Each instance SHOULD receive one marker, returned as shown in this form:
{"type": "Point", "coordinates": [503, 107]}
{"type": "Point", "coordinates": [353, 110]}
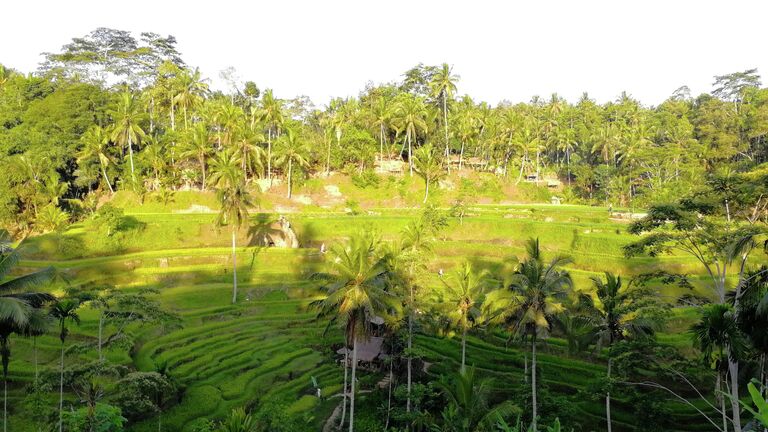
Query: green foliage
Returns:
{"type": "Point", "coordinates": [103, 418]}
{"type": "Point", "coordinates": [141, 394]}
{"type": "Point", "coordinates": [366, 179]}
{"type": "Point", "coordinates": [109, 219]}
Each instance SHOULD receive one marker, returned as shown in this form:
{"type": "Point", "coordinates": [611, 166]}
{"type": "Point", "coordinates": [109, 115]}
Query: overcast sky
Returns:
{"type": "Point", "coordinates": [502, 50]}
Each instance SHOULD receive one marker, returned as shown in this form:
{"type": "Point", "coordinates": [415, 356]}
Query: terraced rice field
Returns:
{"type": "Point", "coordinates": [269, 346]}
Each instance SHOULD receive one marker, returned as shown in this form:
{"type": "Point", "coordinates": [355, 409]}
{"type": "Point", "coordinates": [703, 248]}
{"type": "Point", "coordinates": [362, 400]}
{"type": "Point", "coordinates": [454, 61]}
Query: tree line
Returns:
{"type": "Point", "coordinates": [111, 112]}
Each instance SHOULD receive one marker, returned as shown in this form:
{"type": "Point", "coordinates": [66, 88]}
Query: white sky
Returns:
{"type": "Point", "coordinates": [502, 50]}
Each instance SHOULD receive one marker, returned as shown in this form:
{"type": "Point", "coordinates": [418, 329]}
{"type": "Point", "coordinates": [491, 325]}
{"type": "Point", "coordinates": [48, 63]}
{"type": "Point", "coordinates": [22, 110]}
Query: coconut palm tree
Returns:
{"type": "Point", "coordinates": [417, 239]}
{"type": "Point", "coordinates": [469, 406]}
{"type": "Point", "coordinates": [292, 151]}
{"type": "Point", "coordinates": [410, 115]}
{"type": "Point", "coordinates": [381, 114]}
{"type": "Point", "coordinates": [717, 336]}
{"type": "Point", "coordinates": [271, 114]}
{"type": "Point", "coordinates": [190, 90]}
{"type": "Point", "coordinates": [18, 306]}
{"type": "Point", "coordinates": [246, 148]}
{"type": "Point", "coordinates": [128, 115]}
{"type": "Point", "coordinates": [63, 311]}
{"type": "Point", "coordinates": [529, 304]}
{"type": "Point", "coordinates": [197, 146]}
{"type": "Point", "coordinates": [356, 291]}
{"type": "Point", "coordinates": [461, 302]}
{"type": "Point", "coordinates": [443, 87]}
{"type": "Point", "coordinates": [234, 200]}
{"type": "Point", "coordinates": [428, 166]}
{"type": "Point", "coordinates": [616, 317]}
{"type": "Point", "coordinates": [96, 146]}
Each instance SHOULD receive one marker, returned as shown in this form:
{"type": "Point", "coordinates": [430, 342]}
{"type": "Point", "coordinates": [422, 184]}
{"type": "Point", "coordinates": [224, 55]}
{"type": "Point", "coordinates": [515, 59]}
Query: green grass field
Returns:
{"type": "Point", "coordinates": [268, 346]}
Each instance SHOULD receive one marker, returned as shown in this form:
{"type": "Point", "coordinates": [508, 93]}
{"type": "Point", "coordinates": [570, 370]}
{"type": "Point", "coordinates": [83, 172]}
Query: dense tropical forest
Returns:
{"type": "Point", "coordinates": [178, 258]}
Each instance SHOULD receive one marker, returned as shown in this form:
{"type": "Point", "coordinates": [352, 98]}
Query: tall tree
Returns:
{"type": "Point", "coordinates": [356, 291]}
{"type": "Point", "coordinates": [717, 335]}
{"type": "Point", "coordinates": [428, 167]}
{"type": "Point", "coordinates": [443, 87]}
{"type": "Point", "coordinates": [531, 301]}
{"type": "Point", "coordinates": [234, 200]}
{"type": "Point", "coordinates": [410, 115]}
{"type": "Point", "coordinates": [617, 316]}
{"type": "Point", "coordinates": [64, 311]}
{"type": "Point", "coordinates": [462, 301]}
{"type": "Point", "coordinates": [96, 146]}
{"type": "Point", "coordinates": [293, 151]}
{"type": "Point", "coordinates": [271, 113]}
{"type": "Point", "coordinates": [18, 305]}
{"type": "Point", "coordinates": [127, 130]}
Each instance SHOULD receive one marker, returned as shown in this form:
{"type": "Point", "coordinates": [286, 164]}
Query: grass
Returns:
{"type": "Point", "coordinates": [268, 345]}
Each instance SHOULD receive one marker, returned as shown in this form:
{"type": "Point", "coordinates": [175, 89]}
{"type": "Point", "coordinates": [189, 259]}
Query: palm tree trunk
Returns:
{"type": "Point", "coordinates": [381, 144]}
{"type": "Point", "coordinates": [290, 172]}
{"type": "Point", "coordinates": [352, 386]}
{"type": "Point", "coordinates": [410, 346]}
{"type": "Point", "coordinates": [61, 388]}
{"type": "Point", "coordinates": [533, 383]}
{"type": "Point", "coordinates": [463, 350]}
{"type": "Point", "coordinates": [234, 269]}
{"type": "Point", "coordinates": [445, 121]}
{"type": "Point", "coordinates": [426, 190]}
{"type": "Point", "coordinates": [202, 168]}
{"type": "Point", "coordinates": [608, 398]}
{"type": "Point", "coordinates": [106, 179]}
{"type": "Point", "coordinates": [389, 397]}
{"type": "Point", "coordinates": [101, 332]}
{"type": "Point", "coordinates": [461, 156]}
{"type": "Point", "coordinates": [130, 154]}
{"type": "Point", "coordinates": [721, 400]}
{"type": "Point", "coordinates": [269, 155]}
{"type": "Point", "coordinates": [6, 355]}
{"type": "Point", "coordinates": [344, 390]}
{"type": "Point", "coordinates": [733, 371]}
{"type": "Point", "coordinates": [410, 155]}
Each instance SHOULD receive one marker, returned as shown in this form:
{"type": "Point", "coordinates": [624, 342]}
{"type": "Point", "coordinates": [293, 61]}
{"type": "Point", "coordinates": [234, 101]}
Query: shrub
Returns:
{"type": "Point", "coordinates": [366, 179]}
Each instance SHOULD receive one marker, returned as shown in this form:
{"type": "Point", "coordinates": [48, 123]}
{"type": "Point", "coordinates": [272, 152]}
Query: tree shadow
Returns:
{"type": "Point", "coordinates": [261, 232]}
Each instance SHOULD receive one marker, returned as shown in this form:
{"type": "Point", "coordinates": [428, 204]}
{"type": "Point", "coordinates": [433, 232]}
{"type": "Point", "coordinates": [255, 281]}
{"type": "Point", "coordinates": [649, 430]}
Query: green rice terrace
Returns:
{"type": "Point", "coordinates": [269, 347]}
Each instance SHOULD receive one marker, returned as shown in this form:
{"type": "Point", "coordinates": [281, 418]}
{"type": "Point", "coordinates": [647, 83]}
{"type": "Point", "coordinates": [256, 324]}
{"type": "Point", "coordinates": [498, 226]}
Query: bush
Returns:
{"type": "Point", "coordinates": [366, 179]}
{"type": "Point", "coordinates": [105, 418]}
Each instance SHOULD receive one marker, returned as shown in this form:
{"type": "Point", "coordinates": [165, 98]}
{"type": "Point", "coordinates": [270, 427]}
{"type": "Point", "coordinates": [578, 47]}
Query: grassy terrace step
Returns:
{"type": "Point", "coordinates": [267, 344]}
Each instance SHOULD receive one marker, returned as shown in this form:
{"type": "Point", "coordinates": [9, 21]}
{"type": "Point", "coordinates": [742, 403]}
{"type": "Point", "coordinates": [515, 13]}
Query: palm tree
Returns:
{"type": "Point", "coordinates": [127, 115]}
{"type": "Point", "coordinates": [382, 115]}
{"type": "Point", "coordinates": [247, 149]}
{"type": "Point", "coordinates": [717, 335]}
{"type": "Point", "coordinates": [197, 146]}
{"type": "Point", "coordinates": [462, 302]}
{"type": "Point", "coordinates": [272, 115]}
{"type": "Point", "coordinates": [428, 167]}
{"type": "Point", "coordinates": [469, 402]}
{"type": "Point", "coordinates": [616, 317]}
{"type": "Point", "coordinates": [355, 292]}
{"type": "Point", "coordinates": [17, 308]}
{"type": "Point", "coordinates": [417, 241]}
{"type": "Point", "coordinates": [191, 89]}
{"type": "Point", "coordinates": [529, 304]}
{"type": "Point", "coordinates": [63, 311]}
{"type": "Point", "coordinates": [96, 146]}
{"type": "Point", "coordinates": [234, 200]}
{"type": "Point", "coordinates": [410, 115]}
{"type": "Point", "coordinates": [293, 151]}
{"type": "Point", "coordinates": [443, 86]}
